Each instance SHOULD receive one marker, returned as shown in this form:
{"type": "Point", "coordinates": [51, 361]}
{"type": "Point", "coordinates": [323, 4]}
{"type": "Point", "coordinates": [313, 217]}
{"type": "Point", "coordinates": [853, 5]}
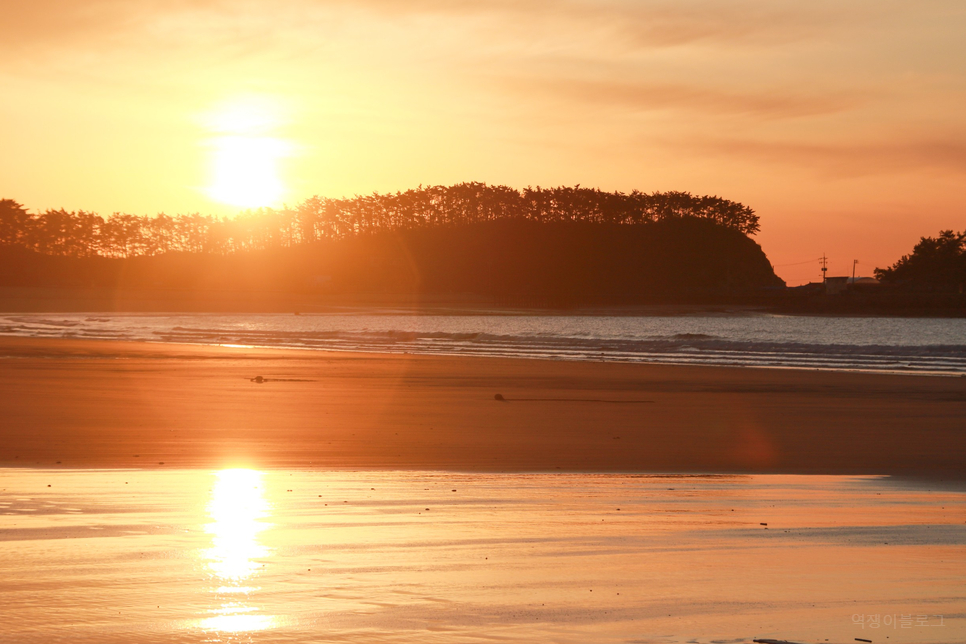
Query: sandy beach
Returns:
{"type": "Point", "coordinates": [164, 555]}
{"type": "Point", "coordinates": [79, 403]}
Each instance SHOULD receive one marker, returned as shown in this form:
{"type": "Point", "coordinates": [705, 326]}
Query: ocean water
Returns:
{"type": "Point", "coordinates": [300, 556]}
{"type": "Point", "coordinates": [925, 345]}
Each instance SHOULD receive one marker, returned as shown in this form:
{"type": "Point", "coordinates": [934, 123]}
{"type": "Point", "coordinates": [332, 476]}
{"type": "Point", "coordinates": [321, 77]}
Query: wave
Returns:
{"type": "Point", "coordinates": [687, 349]}
{"type": "Point", "coordinates": [564, 339]}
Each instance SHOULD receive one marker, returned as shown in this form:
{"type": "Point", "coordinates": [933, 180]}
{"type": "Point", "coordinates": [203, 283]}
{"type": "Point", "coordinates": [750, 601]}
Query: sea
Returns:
{"type": "Point", "coordinates": [900, 345]}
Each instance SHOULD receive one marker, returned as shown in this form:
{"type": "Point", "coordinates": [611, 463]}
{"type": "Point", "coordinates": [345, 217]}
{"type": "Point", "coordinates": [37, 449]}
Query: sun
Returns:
{"type": "Point", "coordinates": [245, 170]}
{"type": "Point", "coordinates": [245, 154]}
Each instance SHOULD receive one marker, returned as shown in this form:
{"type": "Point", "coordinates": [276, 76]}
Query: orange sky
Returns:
{"type": "Point", "coordinates": [840, 123]}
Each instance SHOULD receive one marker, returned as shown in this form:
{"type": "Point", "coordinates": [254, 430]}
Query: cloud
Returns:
{"type": "Point", "coordinates": [97, 23]}
{"type": "Point", "coordinates": [846, 159]}
{"type": "Point", "coordinates": [28, 24]}
{"type": "Point", "coordinates": [758, 61]}
{"type": "Point", "coordinates": [661, 23]}
{"type": "Point", "coordinates": [648, 96]}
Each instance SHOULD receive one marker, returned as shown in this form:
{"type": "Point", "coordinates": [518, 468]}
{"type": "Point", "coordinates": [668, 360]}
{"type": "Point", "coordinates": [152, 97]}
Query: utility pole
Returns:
{"type": "Point", "coordinates": [854, 262]}
{"type": "Point", "coordinates": [824, 267]}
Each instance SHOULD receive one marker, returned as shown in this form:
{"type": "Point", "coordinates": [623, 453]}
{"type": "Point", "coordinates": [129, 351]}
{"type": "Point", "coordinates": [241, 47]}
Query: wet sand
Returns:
{"type": "Point", "coordinates": [79, 403]}
{"type": "Point", "coordinates": [281, 556]}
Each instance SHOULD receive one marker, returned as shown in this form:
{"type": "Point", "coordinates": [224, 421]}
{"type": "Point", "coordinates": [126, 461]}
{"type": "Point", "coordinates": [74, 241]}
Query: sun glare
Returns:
{"type": "Point", "coordinates": [237, 509]}
{"type": "Point", "coordinates": [245, 171]}
{"type": "Point", "coordinates": [245, 153]}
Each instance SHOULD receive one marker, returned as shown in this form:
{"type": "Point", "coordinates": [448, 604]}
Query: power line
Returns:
{"type": "Point", "coordinates": [808, 261]}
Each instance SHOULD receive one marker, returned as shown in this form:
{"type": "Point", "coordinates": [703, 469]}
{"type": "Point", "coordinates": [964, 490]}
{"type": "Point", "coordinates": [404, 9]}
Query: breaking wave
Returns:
{"type": "Point", "coordinates": [866, 344]}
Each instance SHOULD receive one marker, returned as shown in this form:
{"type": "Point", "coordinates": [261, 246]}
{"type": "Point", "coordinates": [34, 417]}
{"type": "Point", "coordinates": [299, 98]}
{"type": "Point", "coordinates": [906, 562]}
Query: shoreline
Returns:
{"type": "Point", "coordinates": [949, 482]}
{"type": "Point", "coordinates": [76, 347]}
{"type": "Point", "coordinates": [484, 356]}
{"type": "Point", "coordinates": [97, 404]}
{"type": "Point", "coordinates": [875, 345]}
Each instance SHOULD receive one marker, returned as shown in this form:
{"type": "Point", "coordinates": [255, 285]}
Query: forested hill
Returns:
{"type": "Point", "coordinates": [87, 234]}
{"type": "Point", "coordinates": [511, 260]}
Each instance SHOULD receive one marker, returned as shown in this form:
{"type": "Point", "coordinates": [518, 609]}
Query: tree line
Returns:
{"type": "Point", "coordinates": [936, 263]}
{"type": "Point", "coordinates": [87, 234]}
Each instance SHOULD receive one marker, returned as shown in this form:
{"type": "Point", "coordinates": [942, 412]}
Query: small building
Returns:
{"type": "Point", "coordinates": [862, 283]}
{"type": "Point", "coordinates": [836, 285]}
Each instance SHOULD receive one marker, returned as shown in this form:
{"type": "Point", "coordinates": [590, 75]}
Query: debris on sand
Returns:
{"type": "Point", "coordinates": [261, 380]}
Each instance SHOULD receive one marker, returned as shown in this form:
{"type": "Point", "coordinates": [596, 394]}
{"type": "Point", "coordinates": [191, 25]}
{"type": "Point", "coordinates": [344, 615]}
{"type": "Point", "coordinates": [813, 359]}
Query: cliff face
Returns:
{"type": "Point", "coordinates": [566, 263]}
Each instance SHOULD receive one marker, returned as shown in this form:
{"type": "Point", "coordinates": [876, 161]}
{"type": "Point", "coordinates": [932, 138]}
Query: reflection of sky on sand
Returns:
{"type": "Point", "coordinates": [237, 509]}
{"type": "Point", "coordinates": [111, 557]}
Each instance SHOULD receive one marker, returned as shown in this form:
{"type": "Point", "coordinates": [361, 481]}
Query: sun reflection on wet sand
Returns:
{"type": "Point", "coordinates": [114, 557]}
{"type": "Point", "coordinates": [237, 509]}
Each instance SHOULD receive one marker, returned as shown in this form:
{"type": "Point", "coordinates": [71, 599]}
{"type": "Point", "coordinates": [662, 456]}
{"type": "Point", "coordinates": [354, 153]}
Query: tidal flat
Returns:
{"type": "Point", "coordinates": [242, 555]}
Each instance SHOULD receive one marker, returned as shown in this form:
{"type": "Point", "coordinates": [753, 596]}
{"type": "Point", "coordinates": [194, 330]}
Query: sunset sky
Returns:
{"type": "Point", "coordinates": [841, 123]}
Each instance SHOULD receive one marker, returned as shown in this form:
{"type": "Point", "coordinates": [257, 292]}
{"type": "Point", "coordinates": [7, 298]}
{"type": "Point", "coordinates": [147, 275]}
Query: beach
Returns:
{"type": "Point", "coordinates": [93, 404]}
{"type": "Point", "coordinates": [411, 557]}
{"type": "Point", "coordinates": [154, 492]}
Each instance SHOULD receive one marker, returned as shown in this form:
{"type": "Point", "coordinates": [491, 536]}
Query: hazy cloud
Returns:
{"type": "Point", "coordinates": [846, 159]}
{"type": "Point", "coordinates": [772, 103]}
{"type": "Point", "coordinates": [66, 23]}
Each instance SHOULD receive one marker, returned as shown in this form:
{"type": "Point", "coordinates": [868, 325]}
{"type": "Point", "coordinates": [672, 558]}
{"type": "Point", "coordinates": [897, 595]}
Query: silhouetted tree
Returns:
{"type": "Point", "coordinates": [936, 263]}
{"type": "Point", "coordinates": [80, 234]}
{"type": "Point", "coordinates": [14, 222]}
